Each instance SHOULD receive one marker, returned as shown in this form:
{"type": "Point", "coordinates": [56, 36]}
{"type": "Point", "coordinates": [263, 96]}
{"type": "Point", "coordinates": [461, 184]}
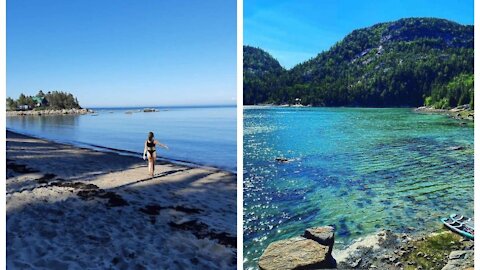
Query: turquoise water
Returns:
{"type": "Point", "coordinates": [203, 135]}
{"type": "Point", "coordinates": [357, 169]}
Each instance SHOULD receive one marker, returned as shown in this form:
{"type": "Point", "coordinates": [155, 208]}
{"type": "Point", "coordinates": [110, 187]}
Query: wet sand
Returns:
{"type": "Point", "coordinates": [75, 208]}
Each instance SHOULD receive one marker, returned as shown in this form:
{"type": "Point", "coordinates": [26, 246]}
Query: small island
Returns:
{"type": "Point", "coordinates": [51, 103]}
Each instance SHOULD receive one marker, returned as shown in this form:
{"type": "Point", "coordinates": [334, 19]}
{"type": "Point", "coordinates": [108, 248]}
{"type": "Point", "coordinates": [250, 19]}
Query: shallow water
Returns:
{"type": "Point", "coordinates": [355, 168]}
{"type": "Point", "coordinates": [204, 135]}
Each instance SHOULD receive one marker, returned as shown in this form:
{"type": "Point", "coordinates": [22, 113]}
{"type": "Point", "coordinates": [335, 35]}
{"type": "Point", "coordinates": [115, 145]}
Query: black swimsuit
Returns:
{"type": "Point", "coordinates": [151, 147]}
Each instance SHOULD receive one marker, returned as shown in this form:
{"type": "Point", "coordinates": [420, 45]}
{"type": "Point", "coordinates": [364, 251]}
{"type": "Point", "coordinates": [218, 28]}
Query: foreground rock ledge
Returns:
{"type": "Point", "coordinates": [311, 251]}
{"type": "Point", "coordinates": [322, 235]}
{"type": "Point", "coordinates": [460, 259]}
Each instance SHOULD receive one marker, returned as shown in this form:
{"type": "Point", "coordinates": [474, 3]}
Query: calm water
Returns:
{"type": "Point", "coordinates": [357, 169]}
{"type": "Point", "coordinates": [205, 135]}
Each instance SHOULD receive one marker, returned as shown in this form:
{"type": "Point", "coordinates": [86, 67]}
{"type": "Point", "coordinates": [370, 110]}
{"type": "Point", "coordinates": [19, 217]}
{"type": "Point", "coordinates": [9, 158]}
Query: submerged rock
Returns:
{"type": "Point", "coordinates": [455, 148]}
{"type": "Point", "coordinates": [282, 159]}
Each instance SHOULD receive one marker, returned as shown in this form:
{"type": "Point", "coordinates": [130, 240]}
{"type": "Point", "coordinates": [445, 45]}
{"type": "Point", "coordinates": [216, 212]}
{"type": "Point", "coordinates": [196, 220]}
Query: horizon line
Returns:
{"type": "Point", "coordinates": [163, 106]}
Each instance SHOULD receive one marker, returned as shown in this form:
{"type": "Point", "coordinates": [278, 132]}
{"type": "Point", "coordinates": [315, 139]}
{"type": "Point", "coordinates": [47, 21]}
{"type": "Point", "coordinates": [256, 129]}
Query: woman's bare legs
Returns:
{"type": "Point", "coordinates": [150, 164]}
{"type": "Point", "coordinates": [154, 158]}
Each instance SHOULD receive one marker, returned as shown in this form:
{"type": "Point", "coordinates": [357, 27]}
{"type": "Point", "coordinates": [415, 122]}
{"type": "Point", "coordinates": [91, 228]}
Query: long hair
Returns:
{"type": "Point", "coordinates": [150, 136]}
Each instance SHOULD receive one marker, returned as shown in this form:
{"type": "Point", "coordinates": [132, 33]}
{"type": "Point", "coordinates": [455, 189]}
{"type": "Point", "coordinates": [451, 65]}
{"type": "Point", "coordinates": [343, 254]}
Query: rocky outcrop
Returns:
{"type": "Point", "coordinates": [460, 260]}
{"type": "Point", "coordinates": [322, 235]}
{"type": "Point", "coordinates": [49, 112]}
{"type": "Point", "coordinates": [382, 250]}
{"type": "Point", "coordinates": [311, 251]}
{"type": "Point", "coordinates": [463, 112]}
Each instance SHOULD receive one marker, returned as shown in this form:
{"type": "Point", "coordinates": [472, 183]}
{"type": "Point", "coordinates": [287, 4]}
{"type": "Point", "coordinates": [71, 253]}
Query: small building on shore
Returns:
{"type": "Point", "coordinates": [23, 107]}
{"type": "Point", "coordinates": [40, 101]}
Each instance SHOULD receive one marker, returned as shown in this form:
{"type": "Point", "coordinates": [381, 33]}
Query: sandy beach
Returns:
{"type": "Point", "coordinates": [74, 208]}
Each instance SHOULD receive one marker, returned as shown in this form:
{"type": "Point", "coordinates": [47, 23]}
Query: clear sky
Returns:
{"type": "Point", "coordinates": [295, 31]}
{"type": "Point", "coordinates": [124, 53]}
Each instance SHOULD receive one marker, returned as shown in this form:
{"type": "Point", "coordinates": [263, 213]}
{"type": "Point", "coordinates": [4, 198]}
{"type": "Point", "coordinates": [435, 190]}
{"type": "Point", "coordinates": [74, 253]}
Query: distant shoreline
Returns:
{"type": "Point", "coordinates": [458, 113]}
{"type": "Point", "coordinates": [312, 106]}
{"type": "Point", "coordinates": [49, 112]}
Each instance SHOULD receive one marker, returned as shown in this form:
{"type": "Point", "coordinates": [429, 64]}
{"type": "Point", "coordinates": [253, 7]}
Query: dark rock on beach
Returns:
{"type": "Point", "coordinates": [114, 200]}
{"type": "Point", "coordinates": [201, 230]}
{"type": "Point", "coordinates": [46, 178]}
{"type": "Point", "coordinates": [19, 168]}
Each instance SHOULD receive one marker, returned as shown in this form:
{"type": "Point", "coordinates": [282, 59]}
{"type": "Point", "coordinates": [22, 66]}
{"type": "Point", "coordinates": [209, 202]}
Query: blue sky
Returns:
{"type": "Point", "coordinates": [295, 31]}
{"type": "Point", "coordinates": [124, 53]}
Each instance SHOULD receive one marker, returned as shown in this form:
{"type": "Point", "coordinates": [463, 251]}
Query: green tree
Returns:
{"type": "Point", "coordinates": [11, 104]}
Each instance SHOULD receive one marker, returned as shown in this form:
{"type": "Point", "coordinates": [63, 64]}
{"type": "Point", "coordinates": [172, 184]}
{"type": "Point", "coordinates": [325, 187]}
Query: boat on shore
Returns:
{"type": "Point", "coordinates": [461, 225]}
{"type": "Point", "coordinates": [465, 220]}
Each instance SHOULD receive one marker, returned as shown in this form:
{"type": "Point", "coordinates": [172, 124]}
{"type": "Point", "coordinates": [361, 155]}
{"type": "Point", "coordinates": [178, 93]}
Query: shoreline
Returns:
{"type": "Point", "coordinates": [128, 153]}
{"type": "Point", "coordinates": [48, 112]}
{"type": "Point", "coordinates": [459, 113]}
{"type": "Point", "coordinates": [384, 249]}
{"type": "Point", "coordinates": [71, 207]}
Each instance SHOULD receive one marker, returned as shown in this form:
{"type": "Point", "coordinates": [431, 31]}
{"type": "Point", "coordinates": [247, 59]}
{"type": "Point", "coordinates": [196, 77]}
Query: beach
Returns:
{"type": "Point", "coordinates": [77, 208]}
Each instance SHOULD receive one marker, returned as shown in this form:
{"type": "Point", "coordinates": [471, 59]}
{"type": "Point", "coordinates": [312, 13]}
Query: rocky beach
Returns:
{"type": "Point", "coordinates": [463, 112]}
{"type": "Point", "coordinates": [385, 249]}
{"type": "Point", "coordinates": [49, 112]}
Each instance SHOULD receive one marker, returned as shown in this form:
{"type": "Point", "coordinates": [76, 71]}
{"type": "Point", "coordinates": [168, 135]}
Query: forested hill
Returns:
{"type": "Point", "coordinates": [261, 74]}
{"type": "Point", "coordinates": [403, 63]}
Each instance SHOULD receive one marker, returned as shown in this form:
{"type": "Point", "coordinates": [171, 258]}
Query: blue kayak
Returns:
{"type": "Point", "coordinates": [461, 225]}
{"type": "Point", "coordinates": [465, 220]}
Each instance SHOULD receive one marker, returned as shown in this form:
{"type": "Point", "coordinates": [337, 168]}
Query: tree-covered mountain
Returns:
{"type": "Point", "coordinates": [401, 63]}
{"type": "Point", "coordinates": [261, 74]}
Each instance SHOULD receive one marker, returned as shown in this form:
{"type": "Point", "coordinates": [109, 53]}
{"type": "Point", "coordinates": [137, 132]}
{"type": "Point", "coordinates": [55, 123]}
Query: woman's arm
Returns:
{"type": "Point", "coordinates": [145, 150]}
{"type": "Point", "coordinates": [161, 144]}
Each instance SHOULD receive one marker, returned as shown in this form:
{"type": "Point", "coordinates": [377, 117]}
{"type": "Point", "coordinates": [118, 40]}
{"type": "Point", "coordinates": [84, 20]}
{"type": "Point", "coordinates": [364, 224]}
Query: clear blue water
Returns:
{"type": "Point", "coordinates": [203, 135]}
{"type": "Point", "coordinates": [357, 169]}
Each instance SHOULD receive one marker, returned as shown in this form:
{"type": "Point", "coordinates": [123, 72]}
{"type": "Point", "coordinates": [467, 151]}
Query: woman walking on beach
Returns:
{"type": "Point", "coordinates": [150, 145]}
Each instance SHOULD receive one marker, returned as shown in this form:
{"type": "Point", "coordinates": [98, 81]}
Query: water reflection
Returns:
{"type": "Point", "coordinates": [60, 125]}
